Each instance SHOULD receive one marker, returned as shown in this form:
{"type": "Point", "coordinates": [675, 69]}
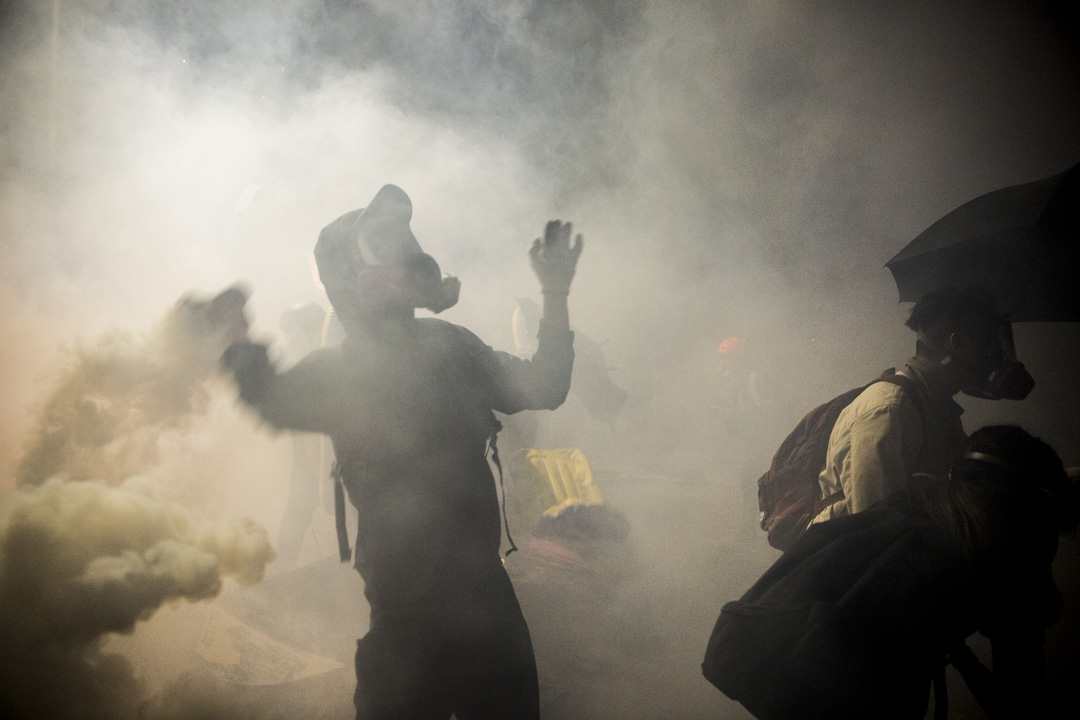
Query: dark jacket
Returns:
{"type": "Point", "coordinates": [856, 618]}
{"type": "Point", "coordinates": [410, 420]}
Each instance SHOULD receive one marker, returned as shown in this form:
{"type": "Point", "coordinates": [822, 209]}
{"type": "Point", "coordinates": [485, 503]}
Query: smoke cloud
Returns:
{"type": "Point", "coordinates": [121, 396]}
{"type": "Point", "coordinates": [87, 548]}
{"type": "Point", "coordinates": [82, 559]}
{"type": "Point", "coordinates": [739, 169]}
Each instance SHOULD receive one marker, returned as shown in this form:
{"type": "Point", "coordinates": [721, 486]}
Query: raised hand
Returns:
{"type": "Point", "coordinates": [226, 314]}
{"type": "Point", "coordinates": [554, 259]}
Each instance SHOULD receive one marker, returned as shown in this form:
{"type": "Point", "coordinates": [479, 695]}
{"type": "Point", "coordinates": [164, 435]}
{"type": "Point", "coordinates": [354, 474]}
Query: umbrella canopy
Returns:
{"type": "Point", "coordinates": [1022, 243]}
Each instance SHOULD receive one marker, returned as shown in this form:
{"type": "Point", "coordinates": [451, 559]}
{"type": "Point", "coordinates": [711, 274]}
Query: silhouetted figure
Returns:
{"type": "Point", "coordinates": [408, 403]}
{"type": "Point", "coordinates": [1007, 504]}
{"type": "Point", "coordinates": [884, 436]}
{"type": "Point", "coordinates": [857, 618]}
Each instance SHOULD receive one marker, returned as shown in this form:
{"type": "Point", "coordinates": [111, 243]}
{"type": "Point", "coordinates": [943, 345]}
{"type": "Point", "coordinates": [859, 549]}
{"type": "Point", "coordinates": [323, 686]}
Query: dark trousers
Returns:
{"type": "Point", "coordinates": [471, 658]}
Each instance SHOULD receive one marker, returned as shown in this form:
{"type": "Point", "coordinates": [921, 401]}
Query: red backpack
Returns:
{"type": "Point", "coordinates": [788, 493]}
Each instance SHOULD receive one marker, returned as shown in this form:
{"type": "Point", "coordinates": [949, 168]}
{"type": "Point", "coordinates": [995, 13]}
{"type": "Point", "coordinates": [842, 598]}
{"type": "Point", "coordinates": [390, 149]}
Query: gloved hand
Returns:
{"type": "Point", "coordinates": [554, 259]}
{"type": "Point", "coordinates": [226, 312]}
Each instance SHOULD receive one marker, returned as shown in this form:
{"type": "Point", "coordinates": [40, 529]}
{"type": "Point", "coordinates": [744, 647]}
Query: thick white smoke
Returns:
{"type": "Point", "coordinates": [738, 169]}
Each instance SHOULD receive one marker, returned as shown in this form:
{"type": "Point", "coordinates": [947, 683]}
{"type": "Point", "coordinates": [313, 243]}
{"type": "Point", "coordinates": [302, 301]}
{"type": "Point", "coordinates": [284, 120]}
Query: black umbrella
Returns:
{"type": "Point", "coordinates": [1022, 243]}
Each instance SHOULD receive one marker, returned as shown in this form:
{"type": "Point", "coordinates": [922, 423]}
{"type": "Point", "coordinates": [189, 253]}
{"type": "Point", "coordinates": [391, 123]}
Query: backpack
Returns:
{"type": "Point", "coordinates": [853, 622]}
{"type": "Point", "coordinates": [788, 492]}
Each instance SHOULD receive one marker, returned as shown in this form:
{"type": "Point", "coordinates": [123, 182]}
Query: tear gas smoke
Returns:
{"type": "Point", "coordinates": [121, 396]}
{"type": "Point", "coordinates": [85, 552]}
{"type": "Point", "coordinates": [738, 168]}
{"type": "Point", "coordinates": [81, 559]}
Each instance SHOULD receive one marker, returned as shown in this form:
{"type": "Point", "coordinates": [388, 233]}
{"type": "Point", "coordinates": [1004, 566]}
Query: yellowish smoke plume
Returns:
{"type": "Point", "coordinates": [89, 544]}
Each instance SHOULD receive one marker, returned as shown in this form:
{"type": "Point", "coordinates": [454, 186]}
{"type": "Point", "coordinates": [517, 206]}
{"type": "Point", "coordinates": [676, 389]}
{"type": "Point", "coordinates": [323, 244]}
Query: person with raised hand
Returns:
{"type": "Point", "coordinates": [408, 403]}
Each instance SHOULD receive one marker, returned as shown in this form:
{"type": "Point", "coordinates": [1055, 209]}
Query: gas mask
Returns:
{"type": "Point", "coordinates": [1005, 376]}
{"type": "Point", "coordinates": [431, 289]}
{"type": "Point", "coordinates": [370, 261]}
{"type": "Point", "coordinates": [417, 282]}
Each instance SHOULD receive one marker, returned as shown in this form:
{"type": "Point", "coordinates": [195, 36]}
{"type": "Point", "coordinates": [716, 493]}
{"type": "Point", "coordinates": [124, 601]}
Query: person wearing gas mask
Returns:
{"type": "Point", "coordinates": [408, 403]}
{"type": "Point", "coordinates": [890, 431]}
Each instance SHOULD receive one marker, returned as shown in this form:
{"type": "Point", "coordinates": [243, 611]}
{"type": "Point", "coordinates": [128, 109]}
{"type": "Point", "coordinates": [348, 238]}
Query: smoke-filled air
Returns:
{"type": "Point", "coordinates": [172, 523]}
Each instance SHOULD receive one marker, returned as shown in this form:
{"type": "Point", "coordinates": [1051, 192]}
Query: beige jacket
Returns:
{"type": "Point", "coordinates": [879, 441]}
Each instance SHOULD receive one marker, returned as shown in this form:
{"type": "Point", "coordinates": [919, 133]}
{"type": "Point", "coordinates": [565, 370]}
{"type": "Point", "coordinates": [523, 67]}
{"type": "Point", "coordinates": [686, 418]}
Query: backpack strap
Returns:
{"type": "Point", "coordinates": [907, 385]}
{"type": "Point", "coordinates": [344, 549]}
{"type": "Point", "coordinates": [823, 503]}
{"type": "Point", "coordinates": [910, 389]}
{"type": "Point", "coordinates": [502, 485]}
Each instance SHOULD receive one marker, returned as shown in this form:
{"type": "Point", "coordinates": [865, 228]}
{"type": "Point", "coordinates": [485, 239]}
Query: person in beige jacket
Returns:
{"type": "Point", "coordinates": [888, 433]}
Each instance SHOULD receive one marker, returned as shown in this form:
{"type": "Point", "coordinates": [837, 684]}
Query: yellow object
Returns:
{"type": "Point", "coordinates": [570, 476]}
